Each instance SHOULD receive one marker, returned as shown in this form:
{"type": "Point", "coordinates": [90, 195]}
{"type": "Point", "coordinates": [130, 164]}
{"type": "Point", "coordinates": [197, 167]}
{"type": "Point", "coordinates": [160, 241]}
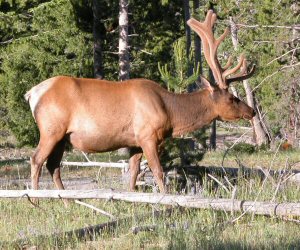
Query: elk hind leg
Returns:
{"type": "Point", "coordinates": [42, 152]}
{"type": "Point", "coordinates": [53, 163]}
{"type": "Point", "coordinates": [134, 165]}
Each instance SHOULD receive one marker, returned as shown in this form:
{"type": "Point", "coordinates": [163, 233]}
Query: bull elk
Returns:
{"type": "Point", "coordinates": [99, 115]}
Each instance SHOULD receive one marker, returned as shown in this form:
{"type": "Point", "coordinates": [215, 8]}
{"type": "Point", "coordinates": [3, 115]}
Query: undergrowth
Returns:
{"type": "Point", "coordinates": [22, 225]}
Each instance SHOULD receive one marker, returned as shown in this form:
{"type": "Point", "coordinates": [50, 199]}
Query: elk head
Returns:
{"type": "Point", "coordinates": [225, 105]}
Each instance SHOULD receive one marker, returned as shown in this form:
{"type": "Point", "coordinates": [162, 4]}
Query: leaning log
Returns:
{"type": "Point", "coordinates": [188, 201]}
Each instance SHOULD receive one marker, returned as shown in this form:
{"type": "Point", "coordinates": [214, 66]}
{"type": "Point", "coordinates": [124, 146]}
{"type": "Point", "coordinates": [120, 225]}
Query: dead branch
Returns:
{"type": "Point", "coordinates": [95, 209]}
{"type": "Point", "coordinates": [219, 182]}
{"type": "Point", "coordinates": [274, 73]}
{"type": "Point", "coordinates": [275, 59]}
{"type": "Point", "coordinates": [295, 27]}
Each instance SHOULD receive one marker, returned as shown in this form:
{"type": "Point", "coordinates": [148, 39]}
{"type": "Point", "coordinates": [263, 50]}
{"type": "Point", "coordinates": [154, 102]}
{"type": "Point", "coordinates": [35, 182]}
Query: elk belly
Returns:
{"type": "Point", "coordinates": [101, 139]}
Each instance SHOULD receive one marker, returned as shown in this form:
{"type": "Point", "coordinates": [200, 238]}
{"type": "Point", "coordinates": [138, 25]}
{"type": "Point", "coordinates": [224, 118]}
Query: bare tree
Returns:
{"type": "Point", "coordinates": [124, 65]}
{"type": "Point", "coordinates": [123, 41]}
{"type": "Point", "coordinates": [259, 134]}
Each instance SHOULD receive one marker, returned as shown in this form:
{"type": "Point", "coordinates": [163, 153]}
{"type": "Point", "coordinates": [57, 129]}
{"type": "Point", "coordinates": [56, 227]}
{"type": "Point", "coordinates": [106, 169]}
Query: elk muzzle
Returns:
{"type": "Point", "coordinates": [249, 114]}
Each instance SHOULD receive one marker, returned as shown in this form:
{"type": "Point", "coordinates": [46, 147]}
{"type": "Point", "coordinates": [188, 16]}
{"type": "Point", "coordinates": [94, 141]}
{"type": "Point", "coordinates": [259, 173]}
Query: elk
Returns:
{"type": "Point", "coordinates": [99, 115]}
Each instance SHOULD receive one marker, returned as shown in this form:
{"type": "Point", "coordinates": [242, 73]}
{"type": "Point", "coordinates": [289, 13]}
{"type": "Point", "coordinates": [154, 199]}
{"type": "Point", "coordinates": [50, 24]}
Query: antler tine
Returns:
{"type": "Point", "coordinates": [243, 69]}
{"type": "Point", "coordinates": [243, 75]}
{"type": "Point", "coordinates": [233, 70]}
{"type": "Point", "coordinates": [210, 44]}
{"type": "Point", "coordinates": [228, 64]}
{"type": "Point", "coordinates": [210, 19]}
{"type": "Point", "coordinates": [222, 37]}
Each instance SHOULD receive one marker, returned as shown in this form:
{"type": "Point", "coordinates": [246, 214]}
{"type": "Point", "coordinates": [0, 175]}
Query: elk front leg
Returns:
{"type": "Point", "coordinates": [150, 150]}
{"type": "Point", "coordinates": [134, 165]}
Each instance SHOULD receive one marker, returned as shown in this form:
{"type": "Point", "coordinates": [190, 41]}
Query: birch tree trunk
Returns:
{"type": "Point", "coordinates": [124, 65]}
{"type": "Point", "coordinates": [123, 41]}
{"type": "Point", "coordinates": [259, 134]}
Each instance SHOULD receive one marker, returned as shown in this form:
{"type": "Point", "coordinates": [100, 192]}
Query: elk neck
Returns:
{"type": "Point", "coordinates": [190, 111]}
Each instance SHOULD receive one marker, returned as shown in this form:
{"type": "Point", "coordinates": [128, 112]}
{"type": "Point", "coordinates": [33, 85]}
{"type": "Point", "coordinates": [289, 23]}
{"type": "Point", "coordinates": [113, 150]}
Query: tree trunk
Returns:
{"type": "Point", "coordinates": [291, 131]}
{"type": "Point", "coordinates": [123, 41]}
{"type": "Point", "coordinates": [259, 134]}
{"type": "Point", "coordinates": [213, 135]}
{"type": "Point", "coordinates": [98, 64]}
{"type": "Point", "coordinates": [197, 42]}
{"type": "Point", "coordinates": [186, 7]}
{"type": "Point", "coordinates": [124, 65]}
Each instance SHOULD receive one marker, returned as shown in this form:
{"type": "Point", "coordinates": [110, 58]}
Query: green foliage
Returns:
{"type": "Point", "coordinates": [176, 78]}
{"type": "Point", "coordinates": [270, 46]}
{"type": "Point", "coordinates": [43, 38]}
{"type": "Point", "coordinates": [156, 26]}
{"type": "Point", "coordinates": [47, 49]}
{"type": "Point", "coordinates": [180, 152]}
{"type": "Point", "coordinates": [242, 148]}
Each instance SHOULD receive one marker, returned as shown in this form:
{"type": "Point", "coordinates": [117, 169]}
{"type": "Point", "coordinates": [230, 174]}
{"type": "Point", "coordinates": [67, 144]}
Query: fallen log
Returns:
{"type": "Point", "coordinates": [96, 164]}
{"type": "Point", "coordinates": [188, 201]}
{"type": "Point", "coordinates": [122, 165]}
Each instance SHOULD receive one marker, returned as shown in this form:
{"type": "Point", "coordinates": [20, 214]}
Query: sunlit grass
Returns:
{"type": "Point", "coordinates": [266, 159]}
{"type": "Point", "coordinates": [184, 229]}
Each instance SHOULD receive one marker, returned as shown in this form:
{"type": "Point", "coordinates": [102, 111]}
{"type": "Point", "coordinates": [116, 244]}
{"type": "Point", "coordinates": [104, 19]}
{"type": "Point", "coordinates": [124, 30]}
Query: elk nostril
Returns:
{"type": "Point", "coordinates": [254, 113]}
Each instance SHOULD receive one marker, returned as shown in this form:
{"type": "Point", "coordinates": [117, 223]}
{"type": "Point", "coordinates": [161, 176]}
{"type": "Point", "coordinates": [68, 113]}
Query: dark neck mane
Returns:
{"type": "Point", "coordinates": [190, 111]}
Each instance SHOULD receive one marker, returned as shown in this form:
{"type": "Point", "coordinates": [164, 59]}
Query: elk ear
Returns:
{"type": "Point", "coordinates": [205, 84]}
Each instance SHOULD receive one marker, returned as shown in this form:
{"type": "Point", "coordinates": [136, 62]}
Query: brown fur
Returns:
{"type": "Point", "coordinates": [98, 115]}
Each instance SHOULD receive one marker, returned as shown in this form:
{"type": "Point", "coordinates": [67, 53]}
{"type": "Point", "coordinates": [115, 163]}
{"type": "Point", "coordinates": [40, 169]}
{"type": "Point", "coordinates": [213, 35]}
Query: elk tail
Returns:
{"type": "Point", "coordinates": [27, 95]}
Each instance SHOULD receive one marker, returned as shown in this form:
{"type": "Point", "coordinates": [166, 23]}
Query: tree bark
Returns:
{"type": "Point", "coordinates": [213, 135]}
{"type": "Point", "coordinates": [124, 65]}
{"type": "Point", "coordinates": [259, 134]}
{"type": "Point", "coordinates": [291, 131]}
{"type": "Point", "coordinates": [98, 64]}
{"type": "Point", "coordinates": [186, 6]}
{"type": "Point", "coordinates": [197, 42]}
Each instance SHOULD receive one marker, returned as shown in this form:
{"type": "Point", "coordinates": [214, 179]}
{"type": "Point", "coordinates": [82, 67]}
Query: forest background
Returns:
{"type": "Point", "coordinates": [41, 38]}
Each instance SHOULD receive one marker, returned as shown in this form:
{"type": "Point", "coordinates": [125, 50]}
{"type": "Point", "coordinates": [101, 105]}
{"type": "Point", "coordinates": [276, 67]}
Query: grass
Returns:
{"type": "Point", "coordinates": [184, 229]}
{"type": "Point", "coordinates": [265, 159]}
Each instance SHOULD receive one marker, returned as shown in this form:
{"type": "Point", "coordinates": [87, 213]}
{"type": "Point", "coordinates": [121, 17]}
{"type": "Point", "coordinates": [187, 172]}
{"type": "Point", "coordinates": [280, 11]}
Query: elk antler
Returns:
{"type": "Point", "coordinates": [242, 75]}
{"type": "Point", "coordinates": [210, 47]}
